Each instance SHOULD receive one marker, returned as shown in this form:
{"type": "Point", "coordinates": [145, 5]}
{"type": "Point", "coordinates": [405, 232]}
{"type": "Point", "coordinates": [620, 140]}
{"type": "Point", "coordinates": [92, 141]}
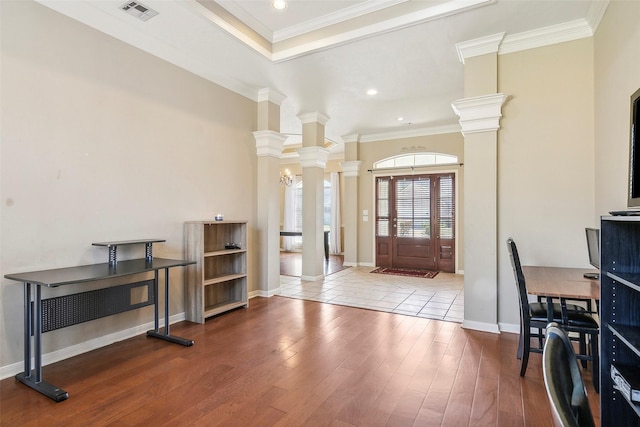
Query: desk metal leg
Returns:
{"type": "Point", "coordinates": [156, 332]}
{"type": "Point", "coordinates": [33, 315]}
{"type": "Point", "coordinates": [166, 301]}
{"type": "Point", "coordinates": [156, 316]}
{"type": "Point", "coordinates": [28, 315]}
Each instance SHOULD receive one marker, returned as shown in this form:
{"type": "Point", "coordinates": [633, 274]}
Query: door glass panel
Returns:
{"type": "Point", "coordinates": [446, 205]}
{"type": "Point", "coordinates": [382, 209]}
{"type": "Point", "coordinates": [383, 228]}
{"type": "Point", "coordinates": [413, 207]}
{"type": "Point", "coordinates": [422, 208]}
{"type": "Point", "coordinates": [404, 207]}
{"type": "Point", "coordinates": [422, 228]}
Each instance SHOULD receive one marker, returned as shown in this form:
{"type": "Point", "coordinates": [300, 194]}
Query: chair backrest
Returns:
{"type": "Point", "coordinates": [519, 276]}
{"type": "Point", "coordinates": [563, 381]}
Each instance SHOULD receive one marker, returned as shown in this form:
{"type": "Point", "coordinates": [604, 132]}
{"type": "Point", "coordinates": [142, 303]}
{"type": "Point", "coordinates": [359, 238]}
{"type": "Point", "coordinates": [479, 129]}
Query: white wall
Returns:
{"type": "Point", "coordinates": [101, 141]}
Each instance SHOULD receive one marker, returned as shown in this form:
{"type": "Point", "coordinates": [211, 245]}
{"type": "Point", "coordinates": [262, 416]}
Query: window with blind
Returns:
{"type": "Point", "coordinates": [413, 207]}
{"type": "Point", "coordinates": [446, 207]}
{"type": "Point", "coordinates": [382, 214]}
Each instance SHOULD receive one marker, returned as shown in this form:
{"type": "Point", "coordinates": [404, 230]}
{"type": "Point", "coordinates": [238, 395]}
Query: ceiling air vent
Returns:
{"type": "Point", "coordinates": [138, 10]}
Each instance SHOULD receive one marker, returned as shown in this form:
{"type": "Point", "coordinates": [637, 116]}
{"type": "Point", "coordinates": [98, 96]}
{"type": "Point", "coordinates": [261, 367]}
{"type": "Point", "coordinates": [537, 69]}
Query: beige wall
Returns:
{"type": "Point", "coordinates": [101, 142]}
{"type": "Point", "coordinates": [545, 160]}
{"type": "Point", "coordinates": [617, 76]}
{"type": "Point", "coordinates": [371, 152]}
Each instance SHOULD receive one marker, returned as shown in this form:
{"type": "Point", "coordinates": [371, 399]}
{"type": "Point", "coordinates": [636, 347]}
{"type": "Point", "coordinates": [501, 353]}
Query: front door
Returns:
{"type": "Point", "coordinates": [415, 218]}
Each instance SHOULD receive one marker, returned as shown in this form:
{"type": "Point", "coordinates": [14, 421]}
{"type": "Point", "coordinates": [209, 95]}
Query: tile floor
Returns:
{"type": "Point", "coordinates": [439, 298]}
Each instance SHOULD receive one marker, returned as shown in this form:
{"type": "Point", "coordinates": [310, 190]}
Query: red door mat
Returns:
{"type": "Point", "coordinates": [429, 274]}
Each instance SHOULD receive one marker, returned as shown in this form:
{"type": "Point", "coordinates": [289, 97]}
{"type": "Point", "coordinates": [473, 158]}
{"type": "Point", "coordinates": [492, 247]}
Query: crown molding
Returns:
{"type": "Point", "coordinates": [479, 46]}
{"type": "Point", "coordinates": [325, 31]}
{"type": "Point", "coordinates": [334, 18]}
{"type": "Point", "coordinates": [411, 133]}
{"type": "Point", "coordinates": [546, 36]}
{"type": "Point", "coordinates": [265, 48]}
{"type": "Point", "coordinates": [596, 12]}
{"type": "Point", "coordinates": [292, 157]}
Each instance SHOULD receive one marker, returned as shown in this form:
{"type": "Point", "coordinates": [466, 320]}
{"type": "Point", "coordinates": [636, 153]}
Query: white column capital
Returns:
{"type": "Point", "coordinates": [351, 168]}
{"type": "Point", "coordinates": [355, 137]}
{"type": "Point", "coordinates": [313, 118]}
{"type": "Point", "coordinates": [311, 157]}
{"type": "Point", "coordinates": [269, 143]}
{"type": "Point", "coordinates": [480, 113]}
{"type": "Point", "coordinates": [267, 94]}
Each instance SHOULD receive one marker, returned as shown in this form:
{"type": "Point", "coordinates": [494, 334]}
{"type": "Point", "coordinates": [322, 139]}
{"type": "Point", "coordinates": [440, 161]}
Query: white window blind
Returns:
{"type": "Point", "coordinates": [413, 207]}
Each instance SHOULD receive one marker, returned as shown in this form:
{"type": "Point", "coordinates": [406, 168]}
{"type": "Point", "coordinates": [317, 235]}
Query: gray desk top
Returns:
{"type": "Point", "coordinates": [127, 242]}
{"type": "Point", "coordinates": [93, 272]}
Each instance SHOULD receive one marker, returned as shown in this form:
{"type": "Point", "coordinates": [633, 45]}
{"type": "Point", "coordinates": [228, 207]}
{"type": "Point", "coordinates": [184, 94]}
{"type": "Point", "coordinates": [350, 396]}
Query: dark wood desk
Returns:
{"type": "Point", "coordinates": [299, 233]}
{"type": "Point", "coordinates": [67, 310]}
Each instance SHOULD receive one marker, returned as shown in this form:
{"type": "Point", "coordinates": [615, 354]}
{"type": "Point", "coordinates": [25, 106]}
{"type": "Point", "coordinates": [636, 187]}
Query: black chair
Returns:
{"type": "Point", "coordinates": [563, 381]}
{"type": "Point", "coordinates": [573, 318]}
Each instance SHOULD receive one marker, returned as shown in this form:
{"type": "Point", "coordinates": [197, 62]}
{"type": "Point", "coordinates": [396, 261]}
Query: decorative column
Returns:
{"type": "Point", "coordinates": [313, 159]}
{"type": "Point", "coordinates": [351, 172]}
{"type": "Point", "coordinates": [479, 118]}
{"type": "Point", "coordinates": [269, 146]}
{"type": "Point", "coordinates": [480, 114]}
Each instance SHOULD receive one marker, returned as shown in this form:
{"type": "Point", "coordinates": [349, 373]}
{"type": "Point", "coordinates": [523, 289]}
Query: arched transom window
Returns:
{"type": "Point", "coordinates": [421, 159]}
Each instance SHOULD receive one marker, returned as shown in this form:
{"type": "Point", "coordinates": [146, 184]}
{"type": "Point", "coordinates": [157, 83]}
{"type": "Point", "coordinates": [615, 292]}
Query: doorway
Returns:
{"type": "Point", "coordinates": [415, 222]}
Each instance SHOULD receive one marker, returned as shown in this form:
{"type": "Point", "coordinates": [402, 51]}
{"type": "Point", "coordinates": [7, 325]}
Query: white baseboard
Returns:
{"type": "Point", "coordinates": [264, 294]}
{"type": "Point", "coordinates": [358, 264]}
{"type": "Point", "coordinates": [510, 328]}
{"type": "Point", "coordinates": [74, 350]}
{"type": "Point", "coordinates": [312, 278]}
{"type": "Point", "coordinates": [481, 326]}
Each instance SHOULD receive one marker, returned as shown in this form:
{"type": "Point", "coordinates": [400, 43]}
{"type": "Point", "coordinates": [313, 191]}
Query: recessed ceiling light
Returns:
{"type": "Point", "coordinates": [279, 4]}
{"type": "Point", "coordinates": [400, 119]}
{"type": "Point", "coordinates": [372, 92]}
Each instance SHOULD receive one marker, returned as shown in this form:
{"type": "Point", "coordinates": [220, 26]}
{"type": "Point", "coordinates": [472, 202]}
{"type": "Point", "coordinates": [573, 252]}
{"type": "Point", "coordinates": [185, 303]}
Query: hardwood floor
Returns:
{"type": "Point", "coordinates": [291, 362]}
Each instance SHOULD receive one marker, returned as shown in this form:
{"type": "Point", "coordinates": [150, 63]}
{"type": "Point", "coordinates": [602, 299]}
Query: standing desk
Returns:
{"type": "Point", "coordinates": [45, 315]}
